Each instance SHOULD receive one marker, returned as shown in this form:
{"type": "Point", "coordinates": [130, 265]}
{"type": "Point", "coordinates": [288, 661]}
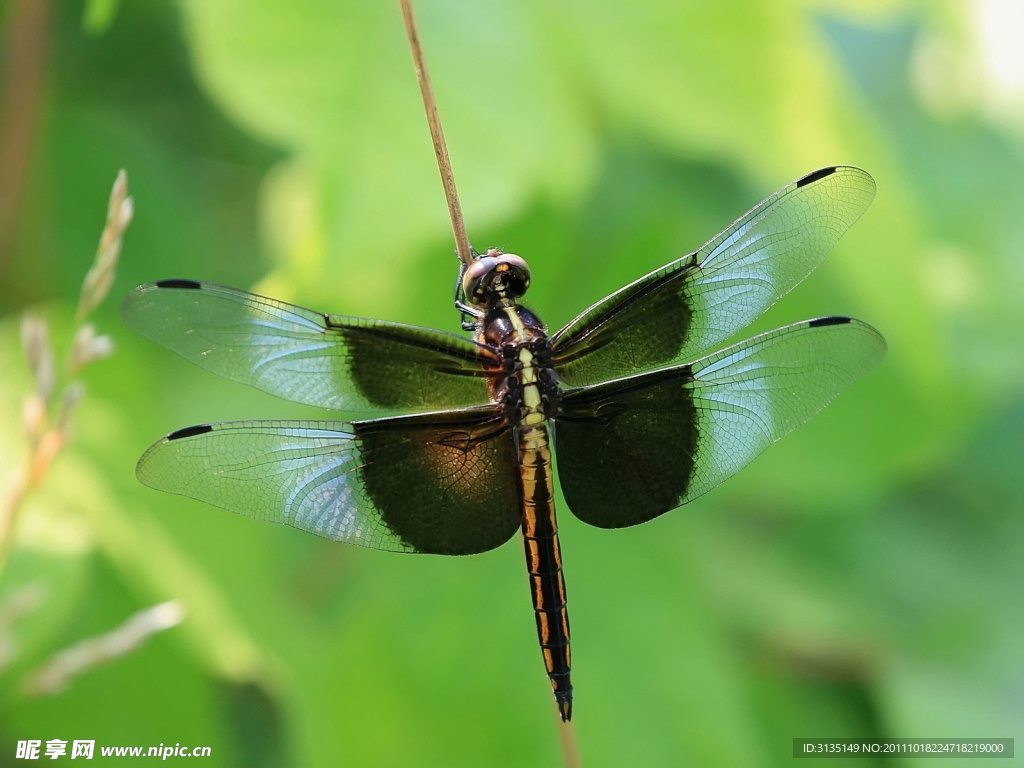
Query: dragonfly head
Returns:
{"type": "Point", "coordinates": [495, 275]}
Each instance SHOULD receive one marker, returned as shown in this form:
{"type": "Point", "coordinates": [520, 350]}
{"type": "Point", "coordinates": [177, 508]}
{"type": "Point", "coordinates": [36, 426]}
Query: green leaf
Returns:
{"type": "Point", "coordinates": [99, 15]}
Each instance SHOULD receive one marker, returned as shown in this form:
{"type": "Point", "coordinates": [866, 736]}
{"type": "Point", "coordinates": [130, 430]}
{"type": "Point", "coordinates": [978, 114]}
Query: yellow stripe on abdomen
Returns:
{"type": "Point", "coordinates": [544, 558]}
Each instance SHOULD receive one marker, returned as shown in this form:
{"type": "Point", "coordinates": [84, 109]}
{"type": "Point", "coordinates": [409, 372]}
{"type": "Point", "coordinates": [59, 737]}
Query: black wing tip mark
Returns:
{"type": "Point", "coordinates": [830, 320]}
{"type": "Point", "coordinates": [190, 285]}
{"type": "Point", "coordinates": [817, 175]}
{"type": "Point", "coordinates": [199, 429]}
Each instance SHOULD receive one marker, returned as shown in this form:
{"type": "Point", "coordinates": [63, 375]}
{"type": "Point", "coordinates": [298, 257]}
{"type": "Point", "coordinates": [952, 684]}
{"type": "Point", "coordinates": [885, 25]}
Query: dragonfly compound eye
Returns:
{"type": "Point", "coordinates": [504, 273]}
{"type": "Point", "coordinates": [515, 272]}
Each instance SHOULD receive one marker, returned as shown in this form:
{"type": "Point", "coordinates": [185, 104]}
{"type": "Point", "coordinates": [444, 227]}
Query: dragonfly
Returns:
{"type": "Point", "coordinates": [458, 453]}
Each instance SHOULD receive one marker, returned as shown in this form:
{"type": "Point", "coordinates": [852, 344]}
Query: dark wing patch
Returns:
{"type": "Point", "coordinates": [626, 451]}
{"type": "Point", "coordinates": [444, 483]}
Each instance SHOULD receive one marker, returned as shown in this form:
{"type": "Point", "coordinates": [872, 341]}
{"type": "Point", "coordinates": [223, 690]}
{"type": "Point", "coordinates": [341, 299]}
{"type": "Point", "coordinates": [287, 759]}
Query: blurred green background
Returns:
{"type": "Point", "coordinates": [863, 578]}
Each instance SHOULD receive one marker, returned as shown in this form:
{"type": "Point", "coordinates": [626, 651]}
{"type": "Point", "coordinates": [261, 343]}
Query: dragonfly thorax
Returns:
{"type": "Point", "coordinates": [511, 326]}
{"type": "Point", "coordinates": [495, 278]}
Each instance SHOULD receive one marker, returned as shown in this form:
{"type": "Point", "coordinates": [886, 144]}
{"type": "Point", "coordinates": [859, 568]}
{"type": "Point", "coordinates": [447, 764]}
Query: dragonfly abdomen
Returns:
{"type": "Point", "coordinates": [544, 561]}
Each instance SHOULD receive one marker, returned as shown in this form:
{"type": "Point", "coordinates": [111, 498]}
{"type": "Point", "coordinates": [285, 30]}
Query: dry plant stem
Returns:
{"type": "Point", "coordinates": [100, 276]}
{"type": "Point", "coordinates": [55, 675]}
{"type": "Point", "coordinates": [444, 164]}
{"type": "Point", "coordinates": [33, 471]}
{"type": "Point", "coordinates": [24, 65]}
{"type": "Point", "coordinates": [47, 432]}
{"type": "Point", "coordinates": [17, 603]}
{"type": "Point", "coordinates": [11, 502]}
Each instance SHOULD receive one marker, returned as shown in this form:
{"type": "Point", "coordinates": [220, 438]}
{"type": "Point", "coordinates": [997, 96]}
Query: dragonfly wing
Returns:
{"type": "Point", "coordinates": [630, 450]}
{"type": "Point", "coordinates": [679, 312]}
{"type": "Point", "coordinates": [330, 361]}
{"type": "Point", "coordinates": [442, 483]}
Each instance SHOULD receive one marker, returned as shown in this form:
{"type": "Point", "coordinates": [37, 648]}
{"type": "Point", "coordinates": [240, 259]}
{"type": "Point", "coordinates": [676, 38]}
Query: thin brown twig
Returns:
{"type": "Point", "coordinates": [444, 163]}
{"type": "Point", "coordinates": [567, 740]}
{"type": "Point", "coordinates": [566, 732]}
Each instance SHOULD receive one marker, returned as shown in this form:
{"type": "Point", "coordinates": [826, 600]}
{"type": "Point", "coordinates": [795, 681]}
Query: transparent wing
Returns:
{"type": "Point", "coordinates": [686, 308]}
{"type": "Point", "coordinates": [330, 361]}
{"type": "Point", "coordinates": [439, 483]}
{"type": "Point", "coordinates": [632, 449]}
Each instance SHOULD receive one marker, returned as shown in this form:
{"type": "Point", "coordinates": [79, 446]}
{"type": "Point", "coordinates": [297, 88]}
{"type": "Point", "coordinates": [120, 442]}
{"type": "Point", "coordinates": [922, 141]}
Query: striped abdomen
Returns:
{"type": "Point", "coordinates": [544, 561]}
